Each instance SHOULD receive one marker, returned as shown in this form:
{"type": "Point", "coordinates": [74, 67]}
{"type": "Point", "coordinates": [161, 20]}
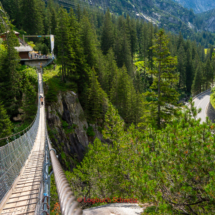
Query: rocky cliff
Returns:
{"type": "Point", "coordinates": [208, 20]}
{"type": "Point", "coordinates": [198, 6]}
{"type": "Point", "coordinates": [68, 129]}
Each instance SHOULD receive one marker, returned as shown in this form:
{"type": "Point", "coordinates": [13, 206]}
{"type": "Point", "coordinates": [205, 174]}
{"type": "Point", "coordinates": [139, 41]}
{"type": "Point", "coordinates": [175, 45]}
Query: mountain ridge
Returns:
{"type": "Point", "coordinates": [198, 6]}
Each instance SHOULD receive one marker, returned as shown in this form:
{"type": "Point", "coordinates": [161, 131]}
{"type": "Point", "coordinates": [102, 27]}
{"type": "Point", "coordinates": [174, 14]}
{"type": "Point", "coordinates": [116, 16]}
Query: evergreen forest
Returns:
{"type": "Point", "coordinates": [135, 82]}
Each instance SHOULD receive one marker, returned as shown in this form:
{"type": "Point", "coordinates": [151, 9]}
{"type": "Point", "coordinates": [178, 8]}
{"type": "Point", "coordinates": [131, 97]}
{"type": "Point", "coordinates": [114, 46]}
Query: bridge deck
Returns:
{"type": "Point", "coordinates": [24, 195]}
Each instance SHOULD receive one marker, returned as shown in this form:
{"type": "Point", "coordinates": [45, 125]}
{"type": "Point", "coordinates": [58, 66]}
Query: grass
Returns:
{"type": "Point", "coordinates": [206, 50]}
{"type": "Point", "coordinates": [137, 58]}
{"type": "Point", "coordinates": [52, 78]}
{"type": "Point", "coordinates": [212, 98]}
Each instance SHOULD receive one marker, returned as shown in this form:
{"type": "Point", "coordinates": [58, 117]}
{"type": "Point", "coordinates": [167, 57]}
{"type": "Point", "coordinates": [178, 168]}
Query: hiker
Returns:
{"type": "Point", "coordinates": [41, 99]}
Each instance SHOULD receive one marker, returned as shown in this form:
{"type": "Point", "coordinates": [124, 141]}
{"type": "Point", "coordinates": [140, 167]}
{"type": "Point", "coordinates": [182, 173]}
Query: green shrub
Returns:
{"type": "Point", "coordinates": [172, 168]}
{"type": "Point", "coordinates": [212, 97]}
{"type": "Point", "coordinates": [90, 131]}
{"type": "Point", "coordinates": [64, 124]}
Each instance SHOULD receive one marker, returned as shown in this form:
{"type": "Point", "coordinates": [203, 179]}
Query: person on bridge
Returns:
{"type": "Point", "coordinates": [41, 99]}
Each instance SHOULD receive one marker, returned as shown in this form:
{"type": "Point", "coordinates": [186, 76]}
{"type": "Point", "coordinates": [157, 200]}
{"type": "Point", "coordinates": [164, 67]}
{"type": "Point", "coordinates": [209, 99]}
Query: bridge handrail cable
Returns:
{"type": "Point", "coordinates": [68, 204]}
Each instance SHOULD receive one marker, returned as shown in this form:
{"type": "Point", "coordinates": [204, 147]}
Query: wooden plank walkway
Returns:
{"type": "Point", "coordinates": [24, 194]}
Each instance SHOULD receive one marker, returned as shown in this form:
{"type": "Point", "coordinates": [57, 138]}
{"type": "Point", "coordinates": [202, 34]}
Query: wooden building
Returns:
{"type": "Point", "coordinates": [3, 36]}
{"type": "Point", "coordinates": [24, 51]}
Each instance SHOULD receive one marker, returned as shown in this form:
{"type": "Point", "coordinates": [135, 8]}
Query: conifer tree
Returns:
{"type": "Point", "coordinates": [77, 66]}
{"type": "Point", "coordinates": [165, 79]}
{"type": "Point", "coordinates": [14, 11]}
{"type": "Point", "coordinates": [32, 16]}
{"type": "Point", "coordinates": [198, 81]}
{"type": "Point", "coordinates": [53, 16]}
{"type": "Point", "coordinates": [89, 42]}
{"type": "Point", "coordinates": [180, 41]}
{"type": "Point", "coordinates": [181, 67]}
{"type": "Point", "coordinates": [123, 95]}
{"type": "Point", "coordinates": [110, 71]}
{"type": "Point", "coordinates": [5, 123]}
{"type": "Point", "coordinates": [63, 41]}
{"type": "Point", "coordinates": [9, 78]}
{"type": "Point", "coordinates": [189, 70]}
{"type": "Point", "coordinates": [107, 34]}
{"type": "Point", "coordinates": [114, 125]}
{"type": "Point", "coordinates": [122, 47]}
{"type": "Point", "coordinates": [208, 74]}
{"type": "Point", "coordinates": [133, 37]}
{"type": "Point", "coordinates": [79, 13]}
{"type": "Point", "coordinates": [29, 95]}
{"type": "Point", "coordinates": [96, 98]}
{"type": "Point", "coordinates": [144, 49]}
{"type": "Point", "coordinates": [150, 44]}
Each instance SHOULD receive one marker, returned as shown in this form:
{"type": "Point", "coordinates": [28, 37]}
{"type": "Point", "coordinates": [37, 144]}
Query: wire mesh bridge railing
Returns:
{"type": "Point", "coordinates": [14, 154]}
{"type": "Point", "coordinates": [13, 157]}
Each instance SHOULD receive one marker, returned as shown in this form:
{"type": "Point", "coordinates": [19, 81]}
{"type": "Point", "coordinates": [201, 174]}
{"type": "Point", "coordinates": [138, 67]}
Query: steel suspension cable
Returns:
{"type": "Point", "coordinates": [68, 203]}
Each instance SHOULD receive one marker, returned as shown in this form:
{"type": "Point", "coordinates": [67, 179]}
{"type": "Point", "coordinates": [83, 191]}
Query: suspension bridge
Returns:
{"type": "Point", "coordinates": [24, 171]}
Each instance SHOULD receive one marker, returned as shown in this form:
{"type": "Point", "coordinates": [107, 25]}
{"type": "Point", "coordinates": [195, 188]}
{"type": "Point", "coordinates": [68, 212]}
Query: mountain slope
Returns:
{"type": "Point", "coordinates": [198, 6]}
{"type": "Point", "coordinates": [207, 20]}
{"type": "Point", "coordinates": [165, 13]}
{"type": "Point", "coordinates": [168, 14]}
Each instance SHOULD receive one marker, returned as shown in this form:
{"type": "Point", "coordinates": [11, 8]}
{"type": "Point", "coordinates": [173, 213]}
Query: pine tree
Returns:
{"type": "Point", "coordinates": [29, 95]}
{"type": "Point", "coordinates": [189, 70]}
{"type": "Point", "coordinates": [150, 44]}
{"type": "Point", "coordinates": [181, 67]}
{"type": "Point", "coordinates": [5, 123]}
{"type": "Point", "coordinates": [133, 37]}
{"type": "Point", "coordinates": [77, 66]}
{"type": "Point", "coordinates": [122, 46]}
{"type": "Point", "coordinates": [14, 11]}
{"type": "Point", "coordinates": [143, 49]}
{"type": "Point", "coordinates": [63, 41]}
{"type": "Point", "coordinates": [165, 79]}
{"type": "Point", "coordinates": [89, 42]}
{"type": "Point", "coordinates": [32, 16]}
{"type": "Point", "coordinates": [110, 71]}
{"type": "Point", "coordinates": [107, 34]}
{"type": "Point", "coordinates": [180, 41]}
{"type": "Point", "coordinates": [53, 16]}
{"type": "Point", "coordinates": [122, 95]}
{"type": "Point", "coordinates": [9, 76]}
{"type": "Point", "coordinates": [79, 13]}
{"type": "Point", "coordinates": [208, 74]}
{"type": "Point", "coordinates": [198, 81]}
{"type": "Point", "coordinates": [96, 98]}
{"type": "Point", "coordinates": [114, 125]}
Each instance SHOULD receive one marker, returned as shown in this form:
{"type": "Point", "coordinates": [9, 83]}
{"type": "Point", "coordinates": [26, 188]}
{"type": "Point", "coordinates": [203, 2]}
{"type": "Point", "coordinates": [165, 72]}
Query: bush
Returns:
{"type": "Point", "coordinates": [172, 168]}
{"type": "Point", "coordinates": [90, 131]}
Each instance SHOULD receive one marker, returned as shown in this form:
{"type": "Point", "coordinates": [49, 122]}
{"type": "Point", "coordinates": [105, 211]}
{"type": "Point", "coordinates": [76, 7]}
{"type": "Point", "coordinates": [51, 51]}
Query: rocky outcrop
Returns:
{"type": "Point", "coordinates": [210, 112]}
{"type": "Point", "coordinates": [198, 6]}
{"type": "Point", "coordinates": [67, 127]}
{"type": "Point", "coordinates": [69, 130]}
{"type": "Point", "coordinates": [19, 117]}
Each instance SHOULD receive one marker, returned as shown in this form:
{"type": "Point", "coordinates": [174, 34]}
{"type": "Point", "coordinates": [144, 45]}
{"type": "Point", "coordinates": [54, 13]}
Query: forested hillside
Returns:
{"type": "Point", "coordinates": [208, 20]}
{"type": "Point", "coordinates": [129, 76]}
{"type": "Point", "coordinates": [167, 14]}
{"type": "Point", "coordinates": [198, 6]}
{"type": "Point", "coordinates": [18, 86]}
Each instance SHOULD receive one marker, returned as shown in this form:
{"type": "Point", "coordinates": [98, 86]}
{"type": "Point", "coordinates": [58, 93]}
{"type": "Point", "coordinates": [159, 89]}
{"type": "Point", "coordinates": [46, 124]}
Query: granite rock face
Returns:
{"type": "Point", "coordinates": [67, 127]}
{"type": "Point", "coordinates": [210, 112]}
{"type": "Point", "coordinates": [198, 6]}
